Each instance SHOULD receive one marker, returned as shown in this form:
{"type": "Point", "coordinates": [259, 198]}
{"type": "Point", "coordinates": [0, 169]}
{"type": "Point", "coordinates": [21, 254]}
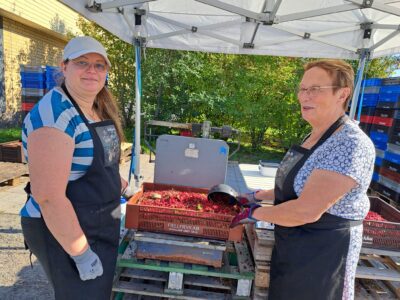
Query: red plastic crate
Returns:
{"type": "Point", "coordinates": [178, 221]}
{"type": "Point", "coordinates": [366, 119]}
{"type": "Point", "coordinates": [383, 121]}
{"type": "Point", "coordinates": [390, 174]}
{"type": "Point", "coordinates": [27, 106]}
{"type": "Point", "coordinates": [380, 234]}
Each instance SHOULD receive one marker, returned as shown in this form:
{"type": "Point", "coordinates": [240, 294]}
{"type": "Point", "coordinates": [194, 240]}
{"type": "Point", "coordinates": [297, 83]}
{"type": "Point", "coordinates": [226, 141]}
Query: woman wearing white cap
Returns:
{"type": "Point", "coordinates": [71, 140]}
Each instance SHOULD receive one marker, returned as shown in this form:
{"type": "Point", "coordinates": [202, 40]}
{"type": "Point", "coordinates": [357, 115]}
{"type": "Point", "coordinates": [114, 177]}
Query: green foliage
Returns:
{"type": "Point", "coordinates": [10, 134]}
{"type": "Point", "coordinates": [255, 94]}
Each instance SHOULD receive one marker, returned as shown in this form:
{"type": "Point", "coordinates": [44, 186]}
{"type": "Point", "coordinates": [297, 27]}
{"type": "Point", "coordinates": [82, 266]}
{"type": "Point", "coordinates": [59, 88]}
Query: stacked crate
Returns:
{"type": "Point", "coordinates": [52, 74]}
{"type": "Point", "coordinates": [369, 101]}
{"type": "Point", "coordinates": [369, 106]}
{"type": "Point", "coordinates": [33, 83]}
{"type": "Point", "coordinates": [385, 133]}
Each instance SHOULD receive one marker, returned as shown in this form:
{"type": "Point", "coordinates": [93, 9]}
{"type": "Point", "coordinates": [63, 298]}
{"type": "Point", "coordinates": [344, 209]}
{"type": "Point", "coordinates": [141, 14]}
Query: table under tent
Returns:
{"type": "Point", "coordinates": [354, 29]}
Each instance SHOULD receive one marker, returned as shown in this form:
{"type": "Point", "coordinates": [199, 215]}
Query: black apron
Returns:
{"type": "Point", "coordinates": [308, 261]}
{"type": "Point", "coordinates": [96, 201]}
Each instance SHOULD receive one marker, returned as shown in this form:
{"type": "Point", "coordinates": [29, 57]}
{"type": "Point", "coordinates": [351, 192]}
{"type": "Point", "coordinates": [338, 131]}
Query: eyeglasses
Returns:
{"type": "Point", "coordinates": [313, 91]}
{"type": "Point", "coordinates": [84, 65]}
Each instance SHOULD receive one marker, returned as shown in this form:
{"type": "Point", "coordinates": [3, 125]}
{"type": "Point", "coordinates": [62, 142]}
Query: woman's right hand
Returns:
{"type": "Point", "coordinates": [88, 264]}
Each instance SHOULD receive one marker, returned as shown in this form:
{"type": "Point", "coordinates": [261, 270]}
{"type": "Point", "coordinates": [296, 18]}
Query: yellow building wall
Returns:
{"type": "Point", "coordinates": [48, 14]}
{"type": "Point", "coordinates": [34, 33]}
{"type": "Point", "coordinates": [27, 46]}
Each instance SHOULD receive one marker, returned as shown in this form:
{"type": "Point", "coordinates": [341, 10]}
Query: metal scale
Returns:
{"type": "Point", "coordinates": [192, 161]}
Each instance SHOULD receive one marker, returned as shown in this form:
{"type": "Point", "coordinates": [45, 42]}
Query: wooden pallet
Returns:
{"type": "Point", "coordinates": [261, 243]}
{"type": "Point", "coordinates": [379, 272]}
{"type": "Point", "coordinates": [10, 173]}
{"type": "Point", "coordinates": [166, 279]}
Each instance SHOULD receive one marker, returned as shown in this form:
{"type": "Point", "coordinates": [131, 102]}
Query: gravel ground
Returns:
{"type": "Point", "coordinates": [18, 280]}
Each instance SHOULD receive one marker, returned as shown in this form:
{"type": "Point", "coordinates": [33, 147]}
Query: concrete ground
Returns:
{"type": "Point", "coordinates": [18, 280]}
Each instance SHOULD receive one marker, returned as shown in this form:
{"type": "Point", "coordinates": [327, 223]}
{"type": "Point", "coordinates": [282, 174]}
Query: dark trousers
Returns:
{"type": "Point", "coordinates": [61, 269]}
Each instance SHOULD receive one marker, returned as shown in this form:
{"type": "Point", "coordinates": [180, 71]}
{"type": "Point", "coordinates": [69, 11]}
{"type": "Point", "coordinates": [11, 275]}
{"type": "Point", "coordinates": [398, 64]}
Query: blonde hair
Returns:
{"type": "Point", "coordinates": [106, 107]}
{"type": "Point", "coordinates": [340, 72]}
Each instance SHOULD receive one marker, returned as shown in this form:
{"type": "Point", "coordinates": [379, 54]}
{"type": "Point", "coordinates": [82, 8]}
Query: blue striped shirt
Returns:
{"type": "Point", "coordinates": [55, 110]}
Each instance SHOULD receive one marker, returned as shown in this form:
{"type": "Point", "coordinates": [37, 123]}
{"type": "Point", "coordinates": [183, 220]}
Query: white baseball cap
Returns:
{"type": "Point", "coordinates": [81, 45]}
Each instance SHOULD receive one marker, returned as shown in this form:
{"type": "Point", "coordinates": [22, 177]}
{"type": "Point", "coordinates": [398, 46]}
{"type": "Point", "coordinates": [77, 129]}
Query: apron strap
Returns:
{"type": "Point", "coordinates": [339, 122]}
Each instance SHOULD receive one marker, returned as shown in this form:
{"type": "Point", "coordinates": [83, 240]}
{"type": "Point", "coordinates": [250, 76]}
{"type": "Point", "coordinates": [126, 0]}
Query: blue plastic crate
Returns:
{"type": "Point", "coordinates": [378, 161]}
{"type": "Point", "coordinates": [50, 84]}
{"type": "Point", "coordinates": [389, 89]}
{"type": "Point", "coordinates": [31, 84]}
{"type": "Point", "coordinates": [369, 97]}
{"type": "Point", "coordinates": [378, 137]}
{"type": "Point", "coordinates": [375, 176]}
{"type": "Point", "coordinates": [392, 97]}
{"type": "Point", "coordinates": [372, 81]}
{"type": "Point", "coordinates": [380, 145]}
{"type": "Point", "coordinates": [27, 76]}
{"type": "Point", "coordinates": [392, 157]}
{"type": "Point", "coordinates": [370, 103]}
{"type": "Point", "coordinates": [52, 73]}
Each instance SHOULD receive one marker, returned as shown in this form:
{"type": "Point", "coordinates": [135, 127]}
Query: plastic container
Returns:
{"type": "Point", "coordinates": [368, 110]}
{"type": "Point", "coordinates": [393, 176]}
{"type": "Point", "coordinates": [35, 76]}
{"type": "Point", "coordinates": [375, 176]}
{"type": "Point", "coordinates": [389, 97]}
{"type": "Point", "coordinates": [31, 69]}
{"type": "Point", "coordinates": [378, 137]}
{"type": "Point", "coordinates": [390, 89]}
{"type": "Point", "coordinates": [383, 121]}
{"type": "Point", "coordinates": [393, 148]}
{"type": "Point", "coordinates": [378, 161]}
{"type": "Point", "coordinates": [371, 90]}
{"type": "Point", "coordinates": [372, 82]}
{"type": "Point", "coordinates": [389, 183]}
{"type": "Point", "coordinates": [383, 235]}
{"type": "Point", "coordinates": [32, 92]}
{"type": "Point", "coordinates": [179, 221]}
{"type": "Point", "coordinates": [391, 166]}
{"type": "Point", "coordinates": [31, 84]}
{"type": "Point", "coordinates": [391, 81]}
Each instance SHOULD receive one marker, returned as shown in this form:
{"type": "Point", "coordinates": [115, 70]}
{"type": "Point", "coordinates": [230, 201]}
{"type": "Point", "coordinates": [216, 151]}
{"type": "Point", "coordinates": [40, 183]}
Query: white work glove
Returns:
{"type": "Point", "coordinates": [88, 265]}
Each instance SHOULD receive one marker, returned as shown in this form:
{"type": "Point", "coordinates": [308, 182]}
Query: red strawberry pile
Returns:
{"type": "Point", "coordinates": [373, 216]}
{"type": "Point", "coordinates": [185, 200]}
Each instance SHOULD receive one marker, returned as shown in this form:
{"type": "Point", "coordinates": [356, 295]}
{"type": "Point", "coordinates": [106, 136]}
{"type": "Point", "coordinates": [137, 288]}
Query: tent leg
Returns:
{"type": "Point", "coordinates": [138, 88]}
{"type": "Point", "coordinates": [359, 77]}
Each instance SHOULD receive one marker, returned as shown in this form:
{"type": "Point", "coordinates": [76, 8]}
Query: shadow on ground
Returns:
{"type": "Point", "coordinates": [31, 284]}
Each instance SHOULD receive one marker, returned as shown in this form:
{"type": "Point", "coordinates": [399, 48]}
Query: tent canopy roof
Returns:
{"type": "Point", "coordinates": [307, 28]}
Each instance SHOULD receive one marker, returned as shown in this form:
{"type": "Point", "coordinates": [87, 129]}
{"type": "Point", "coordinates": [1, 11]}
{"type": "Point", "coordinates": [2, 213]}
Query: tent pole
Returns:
{"type": "Point", "coordinates": [138, 90]}
{"type": "Point", "coordinates": [361, 65]}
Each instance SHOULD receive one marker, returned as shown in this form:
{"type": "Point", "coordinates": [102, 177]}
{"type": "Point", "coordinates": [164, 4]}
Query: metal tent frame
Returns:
{"type": "Point", "coordinates": [364, 29]}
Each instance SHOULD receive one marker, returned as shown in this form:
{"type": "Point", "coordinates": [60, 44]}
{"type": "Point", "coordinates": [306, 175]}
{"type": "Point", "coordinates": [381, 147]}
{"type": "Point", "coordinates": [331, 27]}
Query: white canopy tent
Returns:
{"type": "Point", "coordinates": [353, 29]}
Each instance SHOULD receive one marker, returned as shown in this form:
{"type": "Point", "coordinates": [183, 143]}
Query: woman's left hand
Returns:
{"type": "Point", "coordinates": [245, 216]}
